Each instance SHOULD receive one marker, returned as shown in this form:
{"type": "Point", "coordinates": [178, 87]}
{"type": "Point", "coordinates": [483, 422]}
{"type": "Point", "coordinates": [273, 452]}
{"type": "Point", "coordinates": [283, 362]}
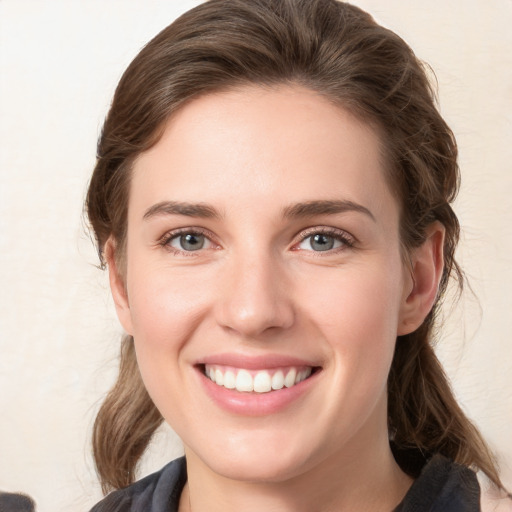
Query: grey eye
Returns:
{"type": "Point", "coordinates": [189, 242]}
{"type": "Point", "coordinates": [321, 242]}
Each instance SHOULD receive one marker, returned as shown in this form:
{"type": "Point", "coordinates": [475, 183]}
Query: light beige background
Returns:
{"type": "Point", "coordinates": [60, 62]}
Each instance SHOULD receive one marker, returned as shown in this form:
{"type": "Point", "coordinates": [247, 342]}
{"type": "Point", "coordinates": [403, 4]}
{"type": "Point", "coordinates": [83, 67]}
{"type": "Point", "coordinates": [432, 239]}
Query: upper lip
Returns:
{"type": "Point", "coordinates": [259, 362]}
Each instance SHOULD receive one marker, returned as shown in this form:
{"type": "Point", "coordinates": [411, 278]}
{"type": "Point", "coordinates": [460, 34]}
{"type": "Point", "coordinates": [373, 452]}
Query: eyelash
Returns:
{"type": "Point", "coordinates": [339, 235]}
{"type": "Point", "coordinates": [165, 241]}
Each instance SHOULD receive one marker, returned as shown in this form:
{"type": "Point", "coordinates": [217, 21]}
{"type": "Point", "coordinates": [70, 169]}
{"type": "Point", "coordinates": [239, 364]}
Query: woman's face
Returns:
{"type": "Point", "coordinates": [264, 281]}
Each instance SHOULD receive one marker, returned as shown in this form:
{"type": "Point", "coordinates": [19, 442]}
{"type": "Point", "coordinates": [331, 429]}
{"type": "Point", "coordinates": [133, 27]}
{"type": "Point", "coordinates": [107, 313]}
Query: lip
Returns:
{"type": "Point", "coordinates": [255, 404]}
{"type": "Point", "coordinates": [262, 362]}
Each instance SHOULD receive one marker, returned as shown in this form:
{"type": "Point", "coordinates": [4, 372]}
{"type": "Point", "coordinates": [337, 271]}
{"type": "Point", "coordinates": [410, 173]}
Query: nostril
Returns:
{"type": "Point", "coordinates": [253, 317]}
{"type": "Point", "coordinates": [252, 297]}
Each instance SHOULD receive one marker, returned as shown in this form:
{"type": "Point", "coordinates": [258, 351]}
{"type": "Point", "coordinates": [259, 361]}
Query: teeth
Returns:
{"type": "Point", "coordinates": [289, 380]}
{"type": "Point", "coordinates": [278, 380]}
{"type": "Point", "coordinates": [302, 375]}
{"type": "Point", "coordinates": [261, 381]}
{"type": "Point", "coordinates": [243, 381]}
{"type": "Point", "coordinates": [229, 380]}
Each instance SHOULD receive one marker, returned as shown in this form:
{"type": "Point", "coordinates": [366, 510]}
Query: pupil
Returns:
{"type": "Point", "coordinates": [191, 242]}
{"type": "Point", "coordinates": [322, 242]}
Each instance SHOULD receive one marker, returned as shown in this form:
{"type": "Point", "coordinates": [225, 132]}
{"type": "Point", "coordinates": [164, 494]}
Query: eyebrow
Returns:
{"type": "Point", "coordinates": [201, 210]}
{"type": "Point", "coordinates": [325, 207]}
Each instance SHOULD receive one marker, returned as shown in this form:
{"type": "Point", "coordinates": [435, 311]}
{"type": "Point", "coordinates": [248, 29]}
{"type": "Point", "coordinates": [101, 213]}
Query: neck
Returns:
{"type": "Point", "coordinates": [364, 478]}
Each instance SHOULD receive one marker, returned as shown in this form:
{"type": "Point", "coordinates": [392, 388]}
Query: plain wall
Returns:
{"type": "Point", "coordinates": [59, 64]}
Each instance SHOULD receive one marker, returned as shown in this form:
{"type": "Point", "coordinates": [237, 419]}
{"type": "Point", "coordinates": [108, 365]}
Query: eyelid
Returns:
{"type": "Point", "coordinates": [345, 237]}
{"type": "Point", "coordinates": [165, 239]}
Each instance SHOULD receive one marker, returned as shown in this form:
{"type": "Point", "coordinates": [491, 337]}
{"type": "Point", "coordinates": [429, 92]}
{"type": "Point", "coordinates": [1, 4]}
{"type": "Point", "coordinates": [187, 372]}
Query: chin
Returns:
{"type": "Point", "coordinates": [258, 461]}
{"type": "Point", "coordinates": [267, 471]}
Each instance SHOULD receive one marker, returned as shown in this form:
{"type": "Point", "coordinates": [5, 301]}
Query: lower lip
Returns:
{"type": "Point", "coordinates": [255, 404]}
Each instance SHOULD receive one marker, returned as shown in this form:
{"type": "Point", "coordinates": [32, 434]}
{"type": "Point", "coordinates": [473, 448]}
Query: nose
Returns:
{"type": "Point", "coordinates": [255, 297]}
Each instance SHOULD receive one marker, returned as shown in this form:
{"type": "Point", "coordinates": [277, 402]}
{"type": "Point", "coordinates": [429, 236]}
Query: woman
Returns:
{"type": "Point", "coordinates": [272, 199]}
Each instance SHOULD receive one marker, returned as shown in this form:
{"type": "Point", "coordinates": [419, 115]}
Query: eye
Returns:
{"type": "Point", "coordinates": [187, 241]}
{"type": "Point", "coordinates": [323, 241]}
{"type": "Point", "coordinates": [319, 242]}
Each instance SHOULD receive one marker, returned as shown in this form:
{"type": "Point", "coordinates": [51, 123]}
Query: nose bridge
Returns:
{"type": "Point", "coordinates": [254, 295]}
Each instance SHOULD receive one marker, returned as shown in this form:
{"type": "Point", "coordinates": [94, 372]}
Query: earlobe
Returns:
{"type": "Point", "coordinates": [425, 270]}
{"type": "Point", "coordinates": [118, 286]}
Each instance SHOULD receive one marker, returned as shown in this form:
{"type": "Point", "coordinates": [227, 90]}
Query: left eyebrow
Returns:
{"type": "Point", "coordinates": [325, 207]}
{"type": "Point", "coordinates": [201, 210]}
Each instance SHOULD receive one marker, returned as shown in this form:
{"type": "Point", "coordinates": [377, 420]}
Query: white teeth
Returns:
{"type": "Point", "coordinates": [289, 380]}
{"type": "Point", "coordinates": [229, 380]}
{"type": "Point", "coordinates": [259, 382]}
{"type": "Point", "coordinates": [278, 380]}
{"type": "Point", "coordinates": [262, 382]}
{"type": "Point", "coordinates": [302, 375]}
{"type": "Point", "coordinates": [244, 381]}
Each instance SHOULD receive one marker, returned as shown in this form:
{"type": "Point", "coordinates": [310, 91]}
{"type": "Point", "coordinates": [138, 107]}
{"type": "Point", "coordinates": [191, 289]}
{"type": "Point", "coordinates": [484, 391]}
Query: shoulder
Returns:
{"type": "Point", "coordinates": [492, 499]}
{"type": "Point", "coordinates": [158, 491]}
{"type": "Point", "coordinates": [443, 486]}
{"type": "Point", "coordinates": [15, 501]}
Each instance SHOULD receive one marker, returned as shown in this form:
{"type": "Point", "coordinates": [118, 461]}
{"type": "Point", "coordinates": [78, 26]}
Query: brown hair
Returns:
{"type": "Point", "coordinates": [339, 51]}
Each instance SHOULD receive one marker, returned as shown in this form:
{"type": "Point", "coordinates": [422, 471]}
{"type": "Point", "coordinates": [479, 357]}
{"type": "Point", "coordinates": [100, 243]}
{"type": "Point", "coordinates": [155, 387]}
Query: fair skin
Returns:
{"type": "Point", "coordinates": [263, 240]}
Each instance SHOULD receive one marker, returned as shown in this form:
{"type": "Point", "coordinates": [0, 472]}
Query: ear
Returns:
{"type": "Point", "coordinates": [118, 287]}
{"type": "Point", "coordinates": [425, 271]}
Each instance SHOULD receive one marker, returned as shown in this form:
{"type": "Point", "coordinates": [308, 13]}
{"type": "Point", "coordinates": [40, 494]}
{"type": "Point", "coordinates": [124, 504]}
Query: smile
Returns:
{"type": "Point", "coordinates": [260, 381]}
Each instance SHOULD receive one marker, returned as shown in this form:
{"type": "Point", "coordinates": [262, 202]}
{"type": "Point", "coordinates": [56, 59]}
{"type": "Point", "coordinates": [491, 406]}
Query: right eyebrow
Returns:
{"type": "Point", "coordinates": [202, 210]}
{"type": "Point", "coordinates": [325, 207]}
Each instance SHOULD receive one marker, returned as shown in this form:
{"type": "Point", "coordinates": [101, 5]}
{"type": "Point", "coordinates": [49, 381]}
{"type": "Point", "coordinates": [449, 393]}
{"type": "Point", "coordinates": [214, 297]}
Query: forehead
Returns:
{"type": "Point", "coordinates": [274, 145]}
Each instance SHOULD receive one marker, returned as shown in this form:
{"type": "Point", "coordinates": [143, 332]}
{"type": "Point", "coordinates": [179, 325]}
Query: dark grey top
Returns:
{"type": "Point", "coordinates": [442, 486]}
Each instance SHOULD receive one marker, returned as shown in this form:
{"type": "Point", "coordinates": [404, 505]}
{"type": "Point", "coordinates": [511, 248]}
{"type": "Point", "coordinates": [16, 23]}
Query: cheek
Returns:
{"type": "Point", "coordinates": [358, 315]}
{"type": "Point", "coordinates": [361, 300]}
{"type": "Point", "coordinates": [164, 307]}
{"type": "Point", "coordinates": [166, 311]}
